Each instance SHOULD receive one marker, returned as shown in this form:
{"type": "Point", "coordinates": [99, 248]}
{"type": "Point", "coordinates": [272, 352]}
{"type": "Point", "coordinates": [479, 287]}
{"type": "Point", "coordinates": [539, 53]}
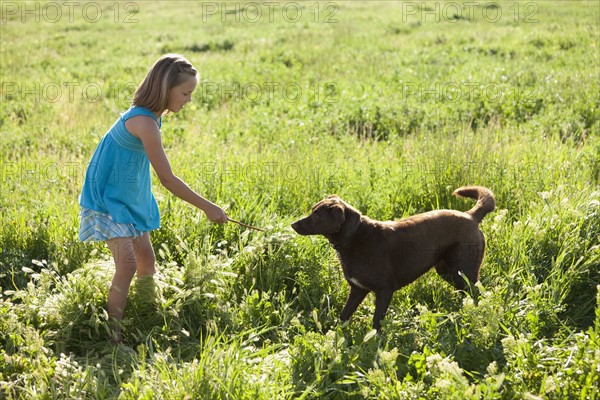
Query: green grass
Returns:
{"type": "Point", "coordinates": [379, 103]}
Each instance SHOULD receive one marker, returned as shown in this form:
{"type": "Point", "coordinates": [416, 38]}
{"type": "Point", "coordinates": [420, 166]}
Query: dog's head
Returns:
{"type": "Point", "coordinates": [329, 217]}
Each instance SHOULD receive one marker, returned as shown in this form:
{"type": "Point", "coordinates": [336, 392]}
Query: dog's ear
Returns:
{"type": "Point", "coordinates": [338, 216]}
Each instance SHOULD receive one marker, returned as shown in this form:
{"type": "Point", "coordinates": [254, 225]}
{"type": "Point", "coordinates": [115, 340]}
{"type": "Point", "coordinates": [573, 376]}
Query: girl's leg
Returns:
{"type": "Point", "coordinates": [124, 253]}
{"type": "Point", "coordinates": [144, 254]}
{"type": "Point", "coordinates": [145, 295]}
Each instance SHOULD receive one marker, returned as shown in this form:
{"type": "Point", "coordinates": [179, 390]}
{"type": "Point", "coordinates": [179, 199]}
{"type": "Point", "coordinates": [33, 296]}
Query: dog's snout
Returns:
{"type": "Point", "coordinates": [300, 226]}
{"type": "Point", "coordinates": [297, 226]}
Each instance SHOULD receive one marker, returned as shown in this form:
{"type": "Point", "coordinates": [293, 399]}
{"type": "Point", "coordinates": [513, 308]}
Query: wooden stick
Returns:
{"type": "Point", "coordinates": [245, 225]}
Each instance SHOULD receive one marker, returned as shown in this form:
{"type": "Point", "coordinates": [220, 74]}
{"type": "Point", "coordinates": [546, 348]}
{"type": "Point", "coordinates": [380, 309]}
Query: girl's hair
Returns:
{"type": "Point", "coordinates": [169, 71]}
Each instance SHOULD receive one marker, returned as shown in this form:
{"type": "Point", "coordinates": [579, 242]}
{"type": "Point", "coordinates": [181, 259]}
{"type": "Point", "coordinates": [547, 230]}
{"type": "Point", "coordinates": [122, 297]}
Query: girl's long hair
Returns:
{"type": "Point", "coordinates": [169, 71]}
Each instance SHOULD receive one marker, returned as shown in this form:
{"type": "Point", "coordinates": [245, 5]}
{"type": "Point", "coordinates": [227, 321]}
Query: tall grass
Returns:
{"type": "Point", "coordinates": [394, 112]}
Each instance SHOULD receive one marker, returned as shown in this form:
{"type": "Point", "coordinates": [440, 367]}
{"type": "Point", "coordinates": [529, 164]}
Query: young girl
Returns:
{"type": "Point", "coordinates": [117, 205]}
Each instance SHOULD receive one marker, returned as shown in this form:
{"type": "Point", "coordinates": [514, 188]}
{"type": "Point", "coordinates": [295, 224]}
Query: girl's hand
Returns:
{"type": "Point", "coordinates": [216, 214]}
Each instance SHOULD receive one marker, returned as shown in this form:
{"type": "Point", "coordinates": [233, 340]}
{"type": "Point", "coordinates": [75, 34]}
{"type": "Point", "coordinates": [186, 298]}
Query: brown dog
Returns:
{"type": "Point", "coordinates": [382, 257]}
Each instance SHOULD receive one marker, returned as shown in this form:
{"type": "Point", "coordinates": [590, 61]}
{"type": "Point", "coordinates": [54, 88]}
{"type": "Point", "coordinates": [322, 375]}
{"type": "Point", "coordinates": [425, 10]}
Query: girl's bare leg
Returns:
{"type": "Point", "coordinates": [144, 254]}
{"type": "Point", "coordinates": [145, 292]}
{"type": "Point", "coordinates": [124, 253]}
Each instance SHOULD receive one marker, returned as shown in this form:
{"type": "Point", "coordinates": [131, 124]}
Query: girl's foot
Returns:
{"type": "Point", "coordinates": [115, 336]}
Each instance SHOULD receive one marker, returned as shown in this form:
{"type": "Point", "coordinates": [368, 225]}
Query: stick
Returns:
{"type": "Point", "coordinates": [245, 225]}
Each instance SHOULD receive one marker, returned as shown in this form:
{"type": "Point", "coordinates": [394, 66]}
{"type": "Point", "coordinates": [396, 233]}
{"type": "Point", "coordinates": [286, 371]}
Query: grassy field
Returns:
{"type": "Point", "coordinates": [391, 105]}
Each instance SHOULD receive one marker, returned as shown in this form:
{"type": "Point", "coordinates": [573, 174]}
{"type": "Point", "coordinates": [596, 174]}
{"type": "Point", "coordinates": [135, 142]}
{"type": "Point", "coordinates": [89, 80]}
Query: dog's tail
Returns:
{"type": "Point", "coordinates": [485, 200]}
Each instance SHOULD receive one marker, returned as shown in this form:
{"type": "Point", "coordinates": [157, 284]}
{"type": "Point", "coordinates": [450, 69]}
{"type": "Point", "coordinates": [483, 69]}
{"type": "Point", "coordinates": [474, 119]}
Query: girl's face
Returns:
{"type": "Point", "coordinates": [181, 94]}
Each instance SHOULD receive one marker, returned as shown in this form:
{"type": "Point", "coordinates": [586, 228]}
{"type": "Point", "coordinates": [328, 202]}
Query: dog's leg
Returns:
{"type": "Point", "coordinates": [463, 262]}
{"type": "Point", "coordinates": [356, 296]}
{"type": "Point", "coordinates": [382, 302]}
{"type": "Point", "coordinates": [443, 271]}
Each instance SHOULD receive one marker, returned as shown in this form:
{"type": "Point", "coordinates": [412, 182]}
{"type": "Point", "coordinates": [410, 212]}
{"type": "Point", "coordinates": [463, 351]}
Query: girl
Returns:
{"type": "Point", "coordinates": [117, 205]}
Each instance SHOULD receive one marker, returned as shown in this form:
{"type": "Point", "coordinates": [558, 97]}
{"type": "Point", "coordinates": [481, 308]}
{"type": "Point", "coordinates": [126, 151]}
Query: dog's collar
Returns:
{"type": "Point", "coordinates": [339, 245]}
{"type": "Point", "coordinates": [349, 237]}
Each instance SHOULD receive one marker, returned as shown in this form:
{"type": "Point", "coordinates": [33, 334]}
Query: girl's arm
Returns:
{"type": "Point", "coordinates": [146, 129]}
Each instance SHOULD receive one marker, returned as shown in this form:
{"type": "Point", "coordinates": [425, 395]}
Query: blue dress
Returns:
{"type": "Point", "coordinates": [116, 199]}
